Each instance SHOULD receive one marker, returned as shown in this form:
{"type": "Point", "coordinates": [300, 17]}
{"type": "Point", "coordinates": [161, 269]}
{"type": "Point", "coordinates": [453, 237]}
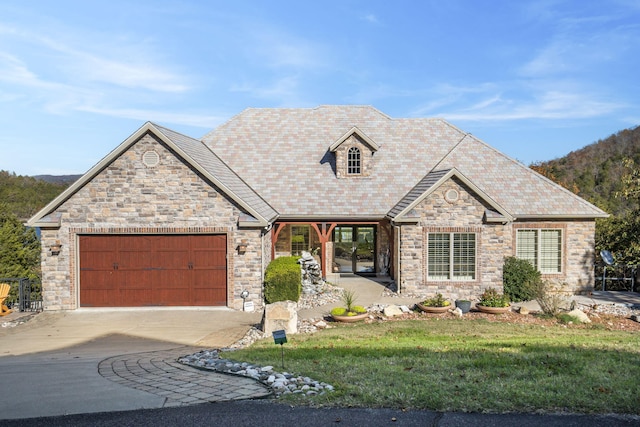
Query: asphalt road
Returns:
{"type": "Point", "coordinates": [268, 413]}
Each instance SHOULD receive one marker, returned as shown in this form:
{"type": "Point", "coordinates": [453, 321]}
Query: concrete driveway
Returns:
{"type": "Point", "coordinates": [49, 364]}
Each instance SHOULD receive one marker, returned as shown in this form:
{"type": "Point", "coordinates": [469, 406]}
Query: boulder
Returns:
{"type": "Point", "coordinates": [392, 311]}
{"type": "Point", "coordinates": [281, 315]}
{"type": "Point", "coordinates": [579, 315]}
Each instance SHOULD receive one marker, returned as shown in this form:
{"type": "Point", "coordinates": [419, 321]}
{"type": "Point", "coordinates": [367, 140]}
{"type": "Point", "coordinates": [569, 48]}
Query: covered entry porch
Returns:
{"type": "Point", "coordinates": [358, 247]}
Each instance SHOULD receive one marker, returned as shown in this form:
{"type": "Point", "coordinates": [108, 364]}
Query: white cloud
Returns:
{"type": "Point", "coordinates": [550, 104]}
{"type": "Point", "coordinates": [131, 68]}
{"type": "Point", "coordinates": [207, 121]}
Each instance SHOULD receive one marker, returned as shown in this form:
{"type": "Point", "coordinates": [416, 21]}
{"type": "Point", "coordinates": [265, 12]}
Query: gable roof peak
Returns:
{"type": "Point", "coordinates": [196, 154]}
{"type": "Point", "coordinates": [401, 212]}
{"type": "Point", "coordinates": [358, 133]}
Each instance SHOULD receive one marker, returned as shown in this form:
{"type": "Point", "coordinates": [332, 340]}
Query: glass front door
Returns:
{"type": "Point", "coordinates": [354, 248]}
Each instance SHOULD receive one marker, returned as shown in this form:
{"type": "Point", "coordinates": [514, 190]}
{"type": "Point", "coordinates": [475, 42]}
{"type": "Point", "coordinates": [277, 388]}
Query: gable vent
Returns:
{"type": "Point", "coordinates": [150, 159]}
{"type": "Point", "coordinates": [451, 196]}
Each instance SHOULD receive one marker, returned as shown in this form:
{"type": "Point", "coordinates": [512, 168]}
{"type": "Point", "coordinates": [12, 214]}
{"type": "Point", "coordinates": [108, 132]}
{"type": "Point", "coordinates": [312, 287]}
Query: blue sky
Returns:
{"type": "Point", "coordinates": [534, 79]}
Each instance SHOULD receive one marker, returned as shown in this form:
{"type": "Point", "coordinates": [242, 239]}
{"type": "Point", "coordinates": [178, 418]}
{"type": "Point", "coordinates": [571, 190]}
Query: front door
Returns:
{"type": "Point", "coordinates": [354, 248]}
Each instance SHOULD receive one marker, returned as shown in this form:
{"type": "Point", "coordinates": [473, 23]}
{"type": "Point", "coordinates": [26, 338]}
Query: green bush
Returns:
{"type": "Point", "coordinates": [521, 280]}
{"type": "Point", "coordinates": [492, 298]}
{"type": "Point", "coordinates": [283, 280]}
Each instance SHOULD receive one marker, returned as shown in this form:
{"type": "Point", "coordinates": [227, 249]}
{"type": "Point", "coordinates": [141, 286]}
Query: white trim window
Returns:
{"type": "Point", "coordinates": [451, 256]}
{"type": "Point", "coordinates": [542, 248]}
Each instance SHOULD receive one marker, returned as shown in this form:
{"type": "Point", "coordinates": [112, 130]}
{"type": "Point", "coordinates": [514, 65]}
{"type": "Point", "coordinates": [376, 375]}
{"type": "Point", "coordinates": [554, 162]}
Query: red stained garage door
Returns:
{"type": "Point", "coordinates": [148, 270]}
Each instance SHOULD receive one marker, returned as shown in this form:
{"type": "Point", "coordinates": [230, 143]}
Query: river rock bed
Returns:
{"type": "Point", "coordinates": [279, 383]}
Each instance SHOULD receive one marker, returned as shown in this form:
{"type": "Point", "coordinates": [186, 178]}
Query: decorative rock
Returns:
{"type": "Point", "coordinates": [456, 312]}
{"type": "Point", "coordinates": [635, 318]}
{"type": "Point", "coordinates": [405, 309]}
{"type": "Point", "coordinates": [280, 383]}
{"type": "Point", "coordinates": [312, 282]}
{"type": "Point", "coordinates": [523, 310]}
{"type": "Point", "coordinates": [280, 315]}
{"type": "Point", "coordinates": [321, 324]}
{"type": "Point", "coordinates": [392, 311]}
{"type": "Point", "coordinates": [579, 315]}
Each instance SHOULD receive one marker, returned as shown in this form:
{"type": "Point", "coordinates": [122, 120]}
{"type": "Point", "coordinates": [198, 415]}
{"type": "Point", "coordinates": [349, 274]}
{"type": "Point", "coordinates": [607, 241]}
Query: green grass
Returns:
{"type": "Point", "coordinates": [464, 365]}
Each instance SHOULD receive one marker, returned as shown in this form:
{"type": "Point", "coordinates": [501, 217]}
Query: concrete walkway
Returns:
{"type": "Point", "coordinates": [88, 361]}
{"type": "Point", "coordinates": [368, 291]}
{"type": "Point", "coordinates": [95, 360]}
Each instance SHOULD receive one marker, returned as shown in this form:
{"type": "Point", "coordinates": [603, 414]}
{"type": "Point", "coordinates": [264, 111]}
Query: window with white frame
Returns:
{"type": "Point", "coordinates": [299, 239]}
{"type": "Point", "coordinates": [451, 256]}
{"type": "Point", "coordinates": [354, 161]}
{"type": "Point", "coordinates": [542, 248]}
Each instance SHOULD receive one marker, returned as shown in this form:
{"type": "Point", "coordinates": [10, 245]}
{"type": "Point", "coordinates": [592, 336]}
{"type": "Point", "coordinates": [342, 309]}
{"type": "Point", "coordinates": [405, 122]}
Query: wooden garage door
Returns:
{"type": "Point", "coordinates": [137, 270]}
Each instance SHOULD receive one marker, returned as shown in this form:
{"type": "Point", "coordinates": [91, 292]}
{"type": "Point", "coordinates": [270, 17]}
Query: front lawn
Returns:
{"type": "Point", "coordinates": [464, 365]}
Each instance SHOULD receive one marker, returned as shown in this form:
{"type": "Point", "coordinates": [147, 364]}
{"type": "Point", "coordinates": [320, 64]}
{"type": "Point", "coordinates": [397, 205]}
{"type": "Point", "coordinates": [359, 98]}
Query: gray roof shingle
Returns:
{"type": "Point", "coordinates": [230, 182]}
{"type": "Point", "coordinates": [283, 155]}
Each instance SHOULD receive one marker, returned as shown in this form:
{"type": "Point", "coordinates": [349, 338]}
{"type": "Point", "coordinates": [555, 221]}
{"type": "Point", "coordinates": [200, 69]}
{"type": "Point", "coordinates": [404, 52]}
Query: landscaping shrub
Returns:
{"type": "Point", "coordinates": [521, 280]}
{"type": "Point", "coordinates": [492, 298]}
{"type": "Point", "coordinates": [550, 303]}
{"type": "Point", "coordinates": [283, 280]}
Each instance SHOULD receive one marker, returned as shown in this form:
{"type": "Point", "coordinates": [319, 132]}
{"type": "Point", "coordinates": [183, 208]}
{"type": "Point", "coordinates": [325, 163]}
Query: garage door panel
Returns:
{"type": "Point", "coordinates": [172, 297]}
{"type": "Point", "coordinates": [99, 298]}
{"type": "Point", "coordinates": [217, 296]}
{"type": "Point", "coordinates": [172, 260]}
{"type": "Point", "coordinates": [133, 279]}
{"type": "Point", "coordinates": [131, 298]}
{"type": "Point", "coordinates": [135, 260]}
{"type": "Point", "coordinates": [136, 270]}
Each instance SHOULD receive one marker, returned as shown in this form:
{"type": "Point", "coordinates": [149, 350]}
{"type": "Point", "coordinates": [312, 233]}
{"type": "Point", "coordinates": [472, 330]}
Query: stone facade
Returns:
{"type": "Point", "coordinates": [452, 208]}
{"type": "Point", "coordinates": [494, 241]}
{"type": "Point", "coordinates": [578, 262]}
{"type": "Point", "coordinates": [129, 197]}
{"type": "Point", "coordinates": [366, 157]}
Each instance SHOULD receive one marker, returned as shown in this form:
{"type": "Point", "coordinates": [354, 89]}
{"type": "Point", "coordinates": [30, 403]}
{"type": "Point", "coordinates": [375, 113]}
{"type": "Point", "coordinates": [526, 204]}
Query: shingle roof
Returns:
{"type": "Point", "coordinates": [520, 190]}
{"type": "Point", "coordinates": [431, 181]}
{"type": "Point", "coordinates": [258, 212]}
{"type": "Point", "coordinates": [424, 185]}
{"type": "Point", "coordinates": [283, 155]}
{"type": "Point", "coordinates": [231, 183]}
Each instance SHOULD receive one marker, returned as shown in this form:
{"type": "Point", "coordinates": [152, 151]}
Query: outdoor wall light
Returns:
{"type": "Point", "coordinates": [55, 248]}
{"type": "Point", "coordinates": [242, 247]}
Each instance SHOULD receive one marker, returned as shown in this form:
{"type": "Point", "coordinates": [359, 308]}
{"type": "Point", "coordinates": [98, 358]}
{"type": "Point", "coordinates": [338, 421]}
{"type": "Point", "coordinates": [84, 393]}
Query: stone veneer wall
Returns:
{"type": "Point", "coordinates": [366, 158]}
{"type": "Point", "coordinates": [495, 242]}
{"type": "Point", "coordinates": [465, 214]}
{"type": "Point", "coordinates": [578, 263]}
{"type": "Point", "coordinates": [128, 197]}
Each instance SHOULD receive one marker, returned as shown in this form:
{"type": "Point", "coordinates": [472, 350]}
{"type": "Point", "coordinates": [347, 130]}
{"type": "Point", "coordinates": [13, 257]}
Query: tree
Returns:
{"type": "Point", "coordinates": [621, 234]}
{"type": "Point", "coordinates": [19, 247]}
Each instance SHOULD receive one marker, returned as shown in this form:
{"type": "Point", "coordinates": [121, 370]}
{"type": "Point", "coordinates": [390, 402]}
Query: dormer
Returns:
{"type": "Point", "coordinates": [354, 154]}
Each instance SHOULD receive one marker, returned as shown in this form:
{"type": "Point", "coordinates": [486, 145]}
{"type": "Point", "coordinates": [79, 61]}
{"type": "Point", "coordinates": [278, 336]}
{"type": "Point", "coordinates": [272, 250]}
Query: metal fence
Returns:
{"type": "Point", "coordinates": [24, 295]}
{"type": "Point", "coordinates": [617, 277]}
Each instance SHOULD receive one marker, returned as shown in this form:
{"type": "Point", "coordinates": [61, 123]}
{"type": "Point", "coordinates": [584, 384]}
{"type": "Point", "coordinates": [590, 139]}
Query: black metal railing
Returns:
{"type": "Point", "coordinates": [617, 277]}
{"type": "Point", "coordinates": [24, 295]}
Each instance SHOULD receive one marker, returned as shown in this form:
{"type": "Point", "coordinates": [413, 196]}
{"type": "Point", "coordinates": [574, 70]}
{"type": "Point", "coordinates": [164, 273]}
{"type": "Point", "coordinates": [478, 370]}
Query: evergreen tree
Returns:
{"type": "Point", "coordinates": [19, 247]}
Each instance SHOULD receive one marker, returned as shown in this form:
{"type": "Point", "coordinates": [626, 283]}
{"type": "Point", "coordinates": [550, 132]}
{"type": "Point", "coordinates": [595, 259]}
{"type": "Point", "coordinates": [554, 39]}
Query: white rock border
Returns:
{"type": "Point", "coordinates": [279, 383]}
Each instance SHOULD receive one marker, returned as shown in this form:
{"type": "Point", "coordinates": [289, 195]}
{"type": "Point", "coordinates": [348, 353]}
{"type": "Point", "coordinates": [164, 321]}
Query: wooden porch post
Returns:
{"type": "Point", "coordinates": [277, 228]}
{"type": "Point", "coordinates": [323, 235]}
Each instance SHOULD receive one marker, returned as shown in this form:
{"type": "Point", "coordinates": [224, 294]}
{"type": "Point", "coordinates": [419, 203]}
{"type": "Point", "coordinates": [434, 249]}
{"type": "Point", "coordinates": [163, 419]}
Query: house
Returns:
{"type": "Point", "coordinates": [165, 219]}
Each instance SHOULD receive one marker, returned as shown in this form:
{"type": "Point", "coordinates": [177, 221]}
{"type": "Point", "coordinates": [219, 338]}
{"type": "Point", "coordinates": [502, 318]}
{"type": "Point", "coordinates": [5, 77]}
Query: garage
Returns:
{"type": "Point", "coordinates": [153, 270]}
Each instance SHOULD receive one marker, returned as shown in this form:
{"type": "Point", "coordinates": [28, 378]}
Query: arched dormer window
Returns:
{"type": "Point", "coordinates": [354, 161]}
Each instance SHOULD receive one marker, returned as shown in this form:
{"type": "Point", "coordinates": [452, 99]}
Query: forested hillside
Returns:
{"type": "Point", "coordinates": [595, 172]}
{"type": "Point", "coordinates": [25, 195]}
